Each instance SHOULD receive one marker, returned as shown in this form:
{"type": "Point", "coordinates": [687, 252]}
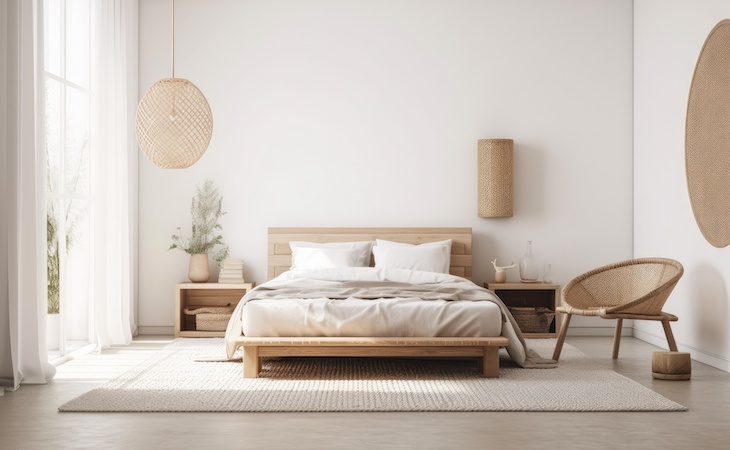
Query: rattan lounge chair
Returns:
{"type": "Point", "coordinates": [633, 289]}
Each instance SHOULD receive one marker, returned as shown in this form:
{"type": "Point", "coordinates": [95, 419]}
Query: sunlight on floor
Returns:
{"type": "Point", "coordinates": [112, 362]}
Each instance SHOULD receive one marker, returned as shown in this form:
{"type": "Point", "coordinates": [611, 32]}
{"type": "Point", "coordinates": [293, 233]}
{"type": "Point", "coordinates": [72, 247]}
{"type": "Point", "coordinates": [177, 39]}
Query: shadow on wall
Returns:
{"type": "Point", "coordinates": [483, 250]}
{"type": "Point", "coordinates": [709, 309]}
{"type": "Point", "coordinates": [530, 193]}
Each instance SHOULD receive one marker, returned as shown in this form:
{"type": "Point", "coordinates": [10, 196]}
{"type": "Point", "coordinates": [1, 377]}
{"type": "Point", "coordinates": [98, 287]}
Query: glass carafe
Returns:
{"type": "Point", "coordinates": [547, 276]}
{"type": "Point", "coordinates": [529, 271]}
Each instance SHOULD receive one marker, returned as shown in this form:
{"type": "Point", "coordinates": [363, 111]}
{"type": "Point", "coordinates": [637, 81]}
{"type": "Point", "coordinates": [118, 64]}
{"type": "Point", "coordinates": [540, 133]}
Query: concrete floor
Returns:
{"type": "Point", "coordinates": [29, 417]}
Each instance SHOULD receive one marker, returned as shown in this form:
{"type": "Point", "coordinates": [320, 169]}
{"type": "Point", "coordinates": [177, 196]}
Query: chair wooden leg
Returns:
{"type": "Point", "coordinates": [617, 337]}
{"type": "Point", "coordinates": [561, 337]}
{"type": "Point", "coordinates": [670, 337]}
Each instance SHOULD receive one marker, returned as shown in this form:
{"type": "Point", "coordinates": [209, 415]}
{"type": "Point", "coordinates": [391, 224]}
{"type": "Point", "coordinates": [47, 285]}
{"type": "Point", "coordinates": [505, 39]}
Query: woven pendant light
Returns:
{"type": "Point", "coordinates": [174, 122]}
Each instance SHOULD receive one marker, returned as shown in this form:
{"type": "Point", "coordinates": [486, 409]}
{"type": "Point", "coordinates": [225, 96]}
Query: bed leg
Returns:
{"type": "Point", "coordinates": [490, 362]}
{"type": "Point", "coordinates": [251, 362]}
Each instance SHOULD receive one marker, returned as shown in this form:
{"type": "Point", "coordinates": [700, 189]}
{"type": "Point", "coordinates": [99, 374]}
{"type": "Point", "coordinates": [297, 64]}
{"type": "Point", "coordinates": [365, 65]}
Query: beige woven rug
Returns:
{"type": "Point", "coordinates": [176, 380]}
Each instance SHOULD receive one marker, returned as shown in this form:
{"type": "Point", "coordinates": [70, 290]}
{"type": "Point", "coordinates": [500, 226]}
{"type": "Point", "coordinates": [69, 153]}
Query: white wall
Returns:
{"type": "Point", "coordinates": [367, 113]}
{"type": "Point", "coordinates": [668, 38]}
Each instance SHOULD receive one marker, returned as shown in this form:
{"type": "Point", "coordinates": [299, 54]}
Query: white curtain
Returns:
{"type": "Point", "coordinates": [23, 296]}
{"type": "Point", "coordinates": [23, 356]}
{"type": "Point", "coordinates": [114, 170]}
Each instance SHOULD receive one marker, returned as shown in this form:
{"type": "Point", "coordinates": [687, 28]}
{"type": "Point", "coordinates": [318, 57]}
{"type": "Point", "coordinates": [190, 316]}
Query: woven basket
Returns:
{"type": "Point", "coordinates": [533, 319]}
{"type": "Point", "coordinates": [212, 322]}
{"type": "Point", "coordinates": [210, 318]}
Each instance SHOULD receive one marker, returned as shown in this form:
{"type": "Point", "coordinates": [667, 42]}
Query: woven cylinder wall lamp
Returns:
{"type": "Point", "coordinates": [496, 177]}
{"type": "Point", "coordinates": [174, 123]}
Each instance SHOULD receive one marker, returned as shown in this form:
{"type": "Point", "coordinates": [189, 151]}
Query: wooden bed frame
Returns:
{"type": "Point", "coordinates": [485, 349]}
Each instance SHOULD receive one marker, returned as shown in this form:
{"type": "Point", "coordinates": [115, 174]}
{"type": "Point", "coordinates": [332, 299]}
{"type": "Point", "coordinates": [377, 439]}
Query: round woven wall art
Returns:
{"type": "Point", "coordinates": [707, 138]}
{"type": "Point", "coordinates": [174, 123]}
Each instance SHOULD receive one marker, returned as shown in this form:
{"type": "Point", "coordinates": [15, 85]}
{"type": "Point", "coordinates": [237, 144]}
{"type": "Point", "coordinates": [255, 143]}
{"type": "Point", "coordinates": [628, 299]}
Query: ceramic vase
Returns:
{"type": "Point", "coordinates": [500, 276]}
{"type": "Point", "coordinates": [199, 270]}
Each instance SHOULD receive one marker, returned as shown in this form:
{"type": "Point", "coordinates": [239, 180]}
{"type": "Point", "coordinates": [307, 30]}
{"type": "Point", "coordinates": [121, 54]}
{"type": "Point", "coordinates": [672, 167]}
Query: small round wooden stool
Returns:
{"type": "Point", "coordinates": [671, 365]}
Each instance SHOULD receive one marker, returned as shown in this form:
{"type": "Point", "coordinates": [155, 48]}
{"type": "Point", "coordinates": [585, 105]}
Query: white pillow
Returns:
{"type": "Point", "coordinates": [362, 249]}
{"type": "Point", "coordinates": [428, 258]}
{"type": "Point", "coordinates": [323, 258]}
{"type": "Point", "coordinates": [446, 244]}
{"type": "Point", "coordinates": [384, 243]}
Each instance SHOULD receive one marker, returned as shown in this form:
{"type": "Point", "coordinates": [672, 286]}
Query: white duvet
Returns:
{"type": "Point", "coordinates": [364, 301]}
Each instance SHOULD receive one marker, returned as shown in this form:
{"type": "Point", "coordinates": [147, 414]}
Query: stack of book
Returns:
{"type": "Point", "coordinates": [231, 271]}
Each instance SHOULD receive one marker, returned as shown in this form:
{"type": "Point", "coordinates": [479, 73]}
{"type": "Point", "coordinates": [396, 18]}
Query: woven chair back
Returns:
{"type": "Point", "coordinates": [637, 286]}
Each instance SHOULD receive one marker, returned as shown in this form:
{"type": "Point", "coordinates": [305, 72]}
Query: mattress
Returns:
{"type": "Point", "coordinates": [377, 302]}
{"type": "Point", "coordinates": [384, 317]}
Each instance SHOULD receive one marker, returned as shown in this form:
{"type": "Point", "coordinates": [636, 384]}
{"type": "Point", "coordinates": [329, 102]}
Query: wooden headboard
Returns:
{"type": "Point", "coordinates": [280, 253]}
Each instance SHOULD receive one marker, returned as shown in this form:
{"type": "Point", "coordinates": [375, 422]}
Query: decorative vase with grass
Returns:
{"type": "Point", "coordinates": [206, 210]}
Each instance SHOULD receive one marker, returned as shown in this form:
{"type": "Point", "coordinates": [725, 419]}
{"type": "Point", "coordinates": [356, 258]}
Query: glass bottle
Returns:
{"type": "Point", "coordinates": [547, 276]}
{"type": "Point", "coordinates": [528, 266]}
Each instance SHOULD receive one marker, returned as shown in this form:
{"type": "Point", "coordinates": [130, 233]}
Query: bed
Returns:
{"type": "Point", "coordinates": [366, 311]}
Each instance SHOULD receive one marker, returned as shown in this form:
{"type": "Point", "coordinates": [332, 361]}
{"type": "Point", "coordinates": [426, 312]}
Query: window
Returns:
{"type": "Point", "coordinates": [67, 64]}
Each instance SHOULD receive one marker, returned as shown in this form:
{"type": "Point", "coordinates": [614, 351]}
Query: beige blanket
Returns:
{"type": "Point", "coordinates": [370, 283]}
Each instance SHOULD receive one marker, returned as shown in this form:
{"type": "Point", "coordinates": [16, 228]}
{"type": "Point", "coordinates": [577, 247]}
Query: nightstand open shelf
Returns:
{"type": "Point", "coordinates": [204, 294]}
{"type": "Point", "coordinates": [532, 295]}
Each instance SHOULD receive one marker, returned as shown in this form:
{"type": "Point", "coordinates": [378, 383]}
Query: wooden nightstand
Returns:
{"type": "Point", "coordinates": [530, 294]}
{"type": "Point", "coordinates": [204, 294]}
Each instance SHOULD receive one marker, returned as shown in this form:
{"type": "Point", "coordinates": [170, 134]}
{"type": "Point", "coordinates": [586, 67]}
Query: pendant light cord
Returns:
{"type": "Point", "coordinates": [173, 38]}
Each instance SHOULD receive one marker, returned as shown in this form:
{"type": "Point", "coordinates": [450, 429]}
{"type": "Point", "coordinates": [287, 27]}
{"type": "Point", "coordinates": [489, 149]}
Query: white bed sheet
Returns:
{"type": "Point", "coordinates": [385, 317]}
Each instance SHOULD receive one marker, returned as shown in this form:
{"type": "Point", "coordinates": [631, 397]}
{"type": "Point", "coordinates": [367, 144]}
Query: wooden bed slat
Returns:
{"type": "Point", "coordinates": [372, 341]}
{"type": "Point", "coordinates": [486, 349]}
